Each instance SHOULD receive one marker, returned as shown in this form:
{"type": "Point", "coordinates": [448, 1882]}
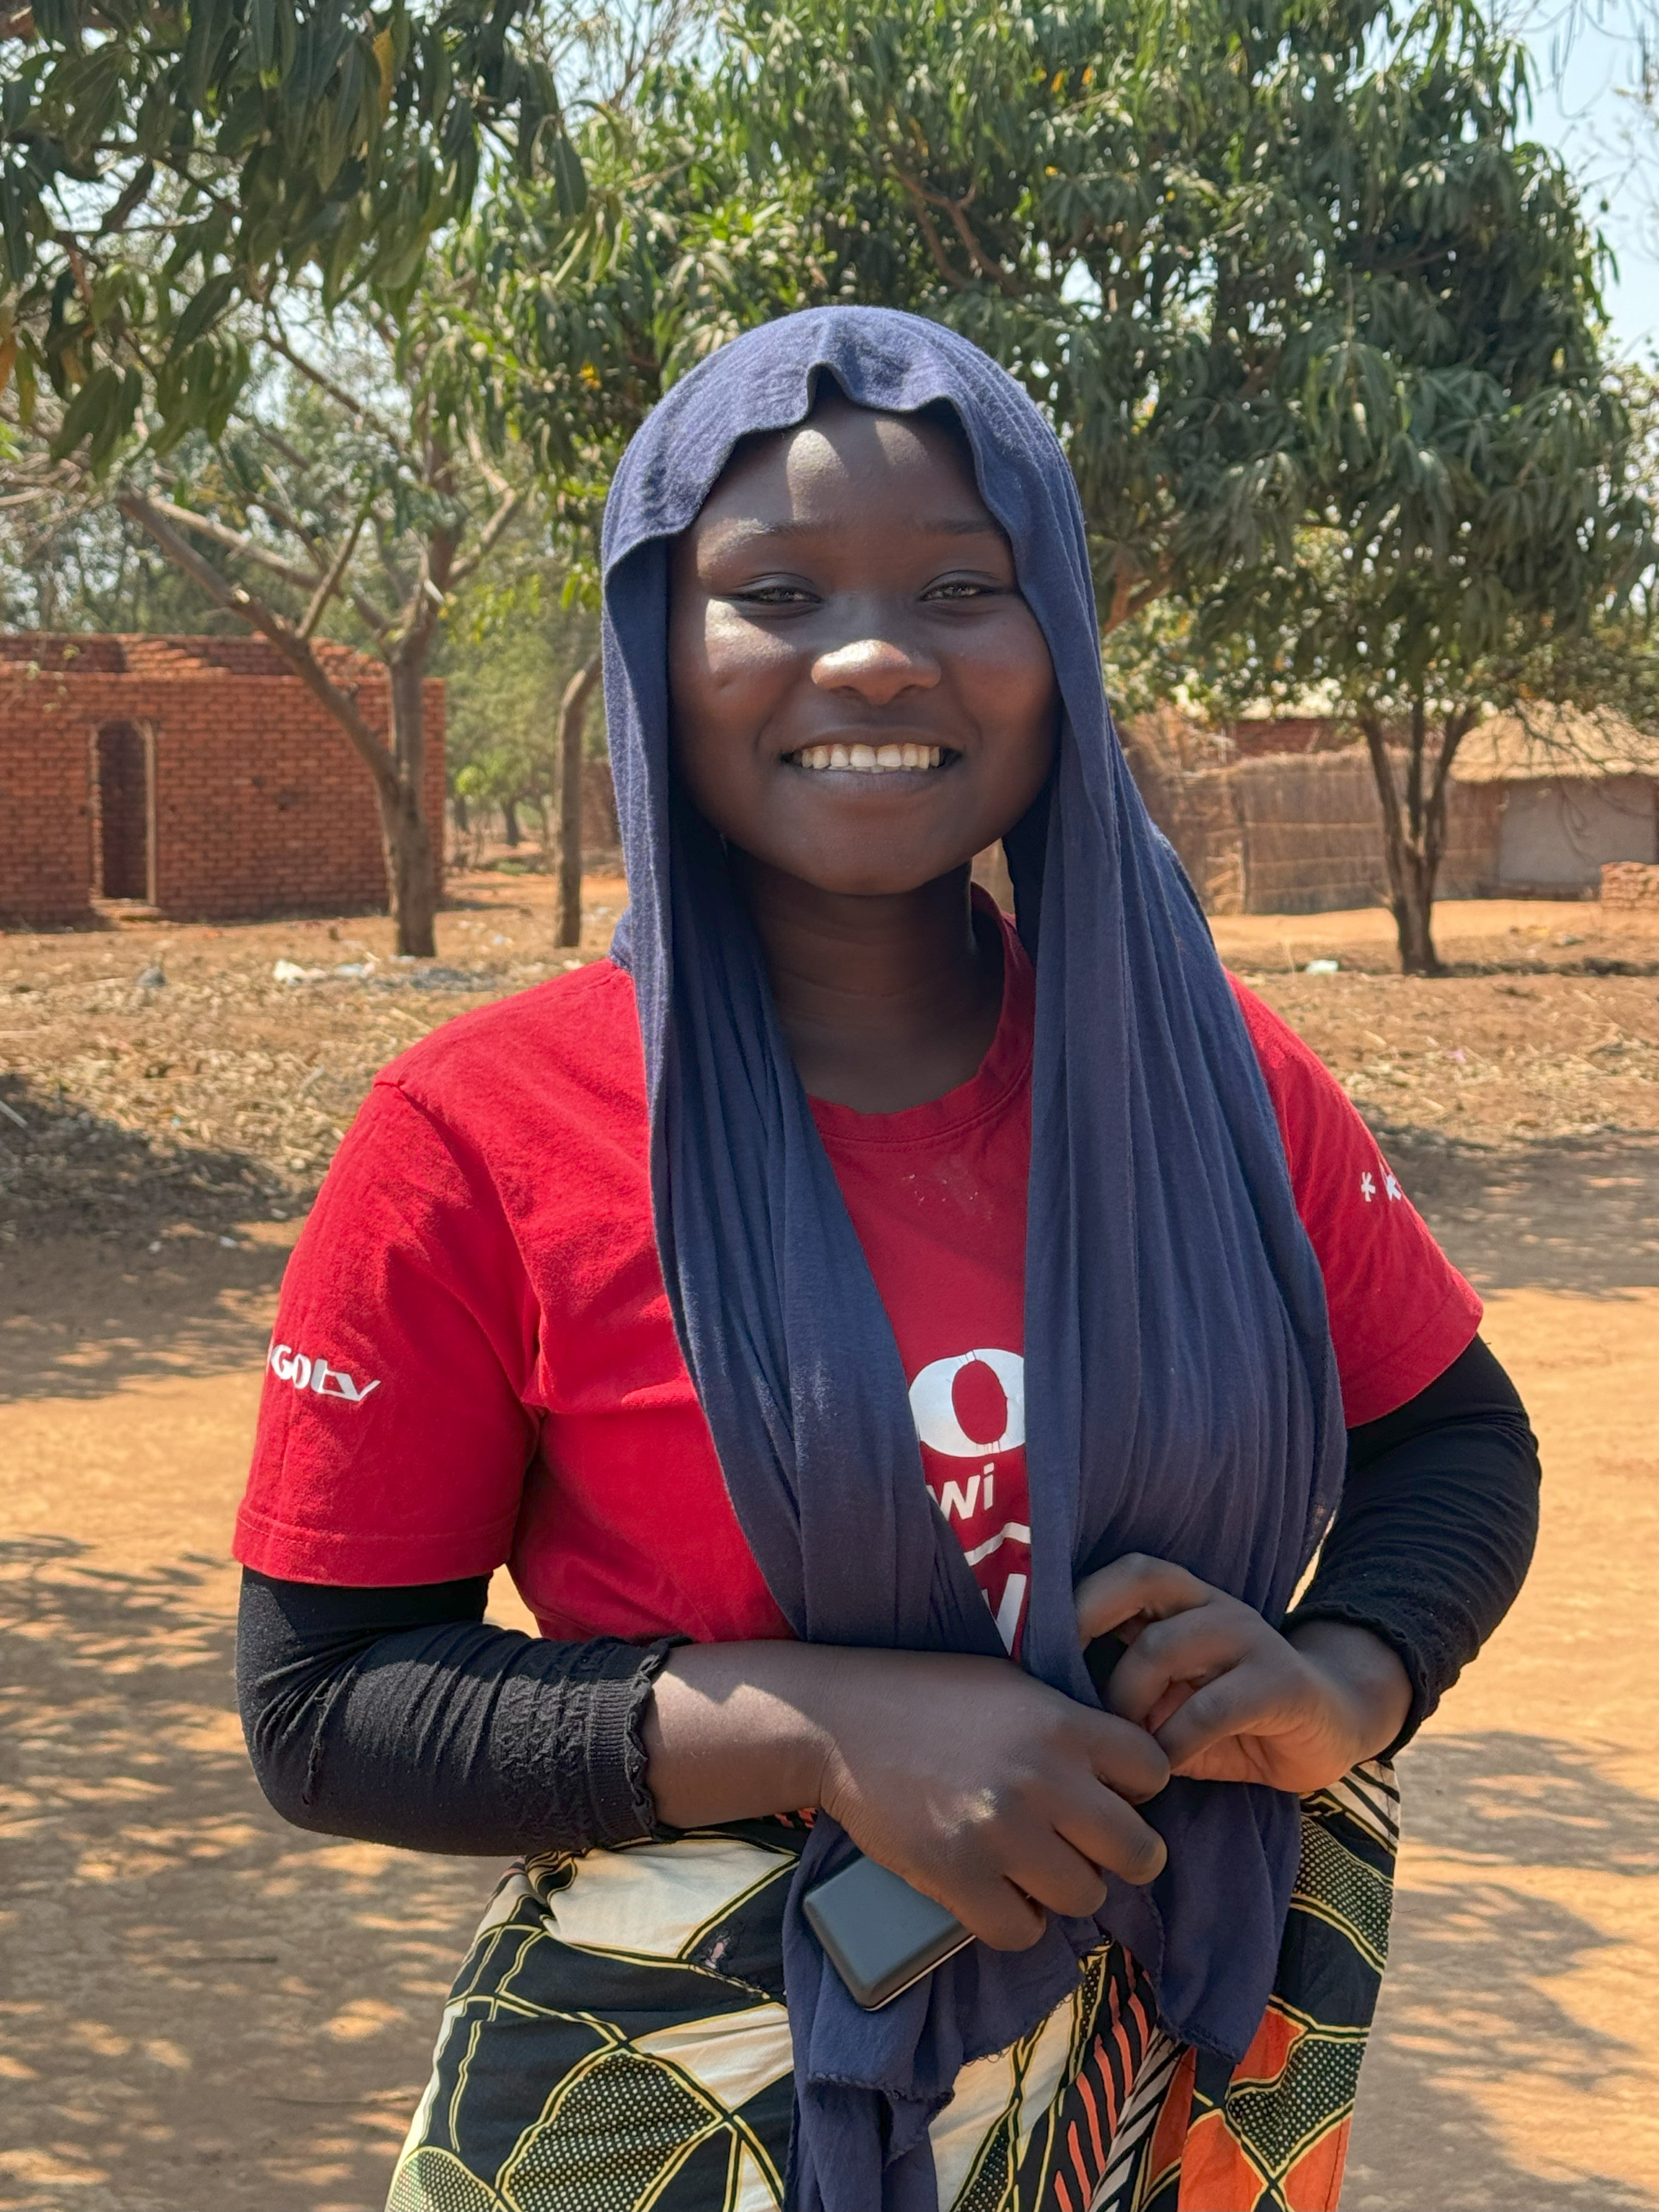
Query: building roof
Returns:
{"type": "Point", "coordinates": [62, 652]}
{"type": "Point", "coordinates": [1540, 743]}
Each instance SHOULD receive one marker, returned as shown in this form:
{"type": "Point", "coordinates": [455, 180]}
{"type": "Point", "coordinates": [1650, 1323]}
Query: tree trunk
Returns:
{"type": "Point", "coordinates": [414, 865]}
{"type": "Point", "coordinates": [412, 869]}
{"type": "Point", "coordinates": [1414, 826]}
{"type": "Point", "coordinates": [412, 872]}
{"type": "Point", "coordinates": [510, 824]}
{"type": "Point", "coordinates": [573, 713]}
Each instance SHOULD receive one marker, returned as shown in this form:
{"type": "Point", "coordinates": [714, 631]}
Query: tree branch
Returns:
{"type": "Point", "coordinates": [489, 538]}
{"type": "Point", "coordinates": [324, 382]}
{"type": "Point", "coordinates": [932, 240]}
{"type": "Point", "coordinates": [294, 649]}
{"type": "Point", "coordinates": [958, 211]}
{"type": "Point", "coordinates": [233, 541]}
{"type": "Point", "coordinates": [331, 583]}
{"type": "Point", "coordinates": [373, 617]}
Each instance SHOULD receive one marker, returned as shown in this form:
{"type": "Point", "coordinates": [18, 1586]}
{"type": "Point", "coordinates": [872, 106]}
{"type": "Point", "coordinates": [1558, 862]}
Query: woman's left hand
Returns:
{"type": "Point", "coordinates": [1230, 1699]}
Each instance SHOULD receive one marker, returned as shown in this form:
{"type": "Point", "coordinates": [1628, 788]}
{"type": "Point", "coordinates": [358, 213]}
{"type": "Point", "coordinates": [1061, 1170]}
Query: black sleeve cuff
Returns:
{"type": "Point", "coordinates": [585, 1785]}
{"type": "Point", "coordinates": [1435, 1528]}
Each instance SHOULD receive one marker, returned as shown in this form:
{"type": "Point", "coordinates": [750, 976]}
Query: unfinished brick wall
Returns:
{"type": "Point", "coordinates": [256, 803]}
{"type": "Point", "coordinates": [1630, 883]}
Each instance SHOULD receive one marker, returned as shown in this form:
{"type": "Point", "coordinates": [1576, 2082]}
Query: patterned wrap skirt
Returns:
{"type": "Point", "coordinates": [617, 2041]}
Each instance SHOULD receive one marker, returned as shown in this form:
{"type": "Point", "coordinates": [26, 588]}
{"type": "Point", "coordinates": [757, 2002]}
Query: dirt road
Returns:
{"type": "Point", "coordinates": [200, 2009]}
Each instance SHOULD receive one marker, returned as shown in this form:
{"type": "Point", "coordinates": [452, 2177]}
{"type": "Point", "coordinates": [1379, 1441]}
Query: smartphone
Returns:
{"type": "Point", "coordinates": [880, 1935]}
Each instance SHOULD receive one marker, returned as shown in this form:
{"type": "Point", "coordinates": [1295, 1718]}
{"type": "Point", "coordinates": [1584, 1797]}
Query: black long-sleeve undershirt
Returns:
{"type": "Point", "coordinates": [400, 1716]}
{"type": "Point", "coordinates": [1435, 1532]}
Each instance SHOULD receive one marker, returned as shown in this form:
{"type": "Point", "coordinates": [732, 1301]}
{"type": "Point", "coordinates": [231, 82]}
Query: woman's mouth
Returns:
{"type": "Point", "coordinates": [871, 760]}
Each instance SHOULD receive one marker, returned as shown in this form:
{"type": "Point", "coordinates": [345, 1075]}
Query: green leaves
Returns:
{"type": "Point", "coordinates": [98, 416]}
{"type": "Point", "coordinates": [264, 139]}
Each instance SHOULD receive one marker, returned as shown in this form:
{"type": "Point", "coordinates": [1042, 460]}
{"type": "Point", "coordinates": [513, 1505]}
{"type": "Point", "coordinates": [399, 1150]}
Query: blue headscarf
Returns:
{"type": "Point", "coordinates": [1181, 1389]}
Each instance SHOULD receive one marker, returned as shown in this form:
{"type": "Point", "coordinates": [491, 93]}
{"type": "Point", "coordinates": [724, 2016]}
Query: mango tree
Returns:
{"type": "Point", "coordinates": [195, 201]}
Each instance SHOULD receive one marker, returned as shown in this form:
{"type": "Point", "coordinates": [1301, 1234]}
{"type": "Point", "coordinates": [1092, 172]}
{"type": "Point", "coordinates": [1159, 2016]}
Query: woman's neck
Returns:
{"type": "Point", "coordinates": [885, 1002]}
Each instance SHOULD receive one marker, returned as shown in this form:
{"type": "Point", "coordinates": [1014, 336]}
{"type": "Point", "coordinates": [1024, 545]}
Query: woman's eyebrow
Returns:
{"type": "Point", "coordinates": [738, 532]}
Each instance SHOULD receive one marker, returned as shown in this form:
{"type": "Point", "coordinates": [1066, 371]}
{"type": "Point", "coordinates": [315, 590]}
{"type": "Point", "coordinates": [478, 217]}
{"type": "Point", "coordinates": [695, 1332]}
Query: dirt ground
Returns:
{"type": "Point", "coordinates": [200, 2009]}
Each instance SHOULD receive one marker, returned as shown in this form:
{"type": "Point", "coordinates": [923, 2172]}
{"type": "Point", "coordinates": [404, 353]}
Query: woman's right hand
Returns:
{"type": "Point", "coordinates": [987, 1790]}
{"type": "Point", "coordinates": [979, 1784]}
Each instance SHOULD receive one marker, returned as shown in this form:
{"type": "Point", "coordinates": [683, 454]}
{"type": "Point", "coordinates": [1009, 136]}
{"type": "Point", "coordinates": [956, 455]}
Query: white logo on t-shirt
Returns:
{"type": "Point", "coordinates": [308, 1372]}
{"type": "Point", "coordinates": [932, 1403]}
{"type": "Point", "coordinates": [994, 1400]}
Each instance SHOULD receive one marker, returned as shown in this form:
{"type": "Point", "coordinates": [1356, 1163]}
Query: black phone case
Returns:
{"type": "Point", "coordinates": [880, 1934]}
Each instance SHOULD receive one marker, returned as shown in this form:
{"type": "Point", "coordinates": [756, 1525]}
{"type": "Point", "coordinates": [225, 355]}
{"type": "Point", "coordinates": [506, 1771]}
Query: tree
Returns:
{"type": "Point", "coordinates": [342, 491]}
{"type": "Point", "coordinates": [203, 207]}
{"type": "Point", "coordinates": [1140, 209]}
{"type": "Point", "coordinates": [1469, 468]}
{"type": "Point", "coordinates": [522, 667]}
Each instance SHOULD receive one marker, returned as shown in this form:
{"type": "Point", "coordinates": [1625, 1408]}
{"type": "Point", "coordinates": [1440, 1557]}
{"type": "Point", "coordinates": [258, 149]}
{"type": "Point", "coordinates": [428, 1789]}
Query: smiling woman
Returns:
{"type": "Point", "coordinates": [845, 594]}
{"type": "Point", "coordinates": [842, 1309]}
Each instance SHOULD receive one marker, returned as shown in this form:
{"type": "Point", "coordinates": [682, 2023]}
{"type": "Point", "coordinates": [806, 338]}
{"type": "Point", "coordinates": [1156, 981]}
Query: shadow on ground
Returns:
{"type": "Point", "coordinates": [202, 2006]}
{"type": "Point", "coordinates": [1466, 2008]}
{"type": "Point", "coordinates": [1577, 1215]}
{"type": "Point", "coordinates": [66, 1170]}
{"type": "Point", "coordinates": [79, 1316]}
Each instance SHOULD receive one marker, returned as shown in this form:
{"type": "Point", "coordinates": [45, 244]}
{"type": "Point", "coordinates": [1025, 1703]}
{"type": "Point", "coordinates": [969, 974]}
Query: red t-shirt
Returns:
{"type": "Point", "coordinates": [474, 1364]}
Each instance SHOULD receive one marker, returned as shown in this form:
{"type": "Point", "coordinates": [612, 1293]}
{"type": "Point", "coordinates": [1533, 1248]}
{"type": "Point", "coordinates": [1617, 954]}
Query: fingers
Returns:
{"type": "Point", "coordinates": [1135, 1584]}
{"type": "Point", "coordinates": [1241, 1702]}
{"type": "Point", "coordinates": [1063, 1870]}
{"type": "Point", "coordinates": [1192, 1647]}
{"type": "Point", "coordinates": [1111, 1836]}
{"type": "Point", "coordinates": [999, 1914]}
{"type": "Point", "coordinates": [1055, 1874]}
{"type": "Point", "coordinates": [1128, 1760]}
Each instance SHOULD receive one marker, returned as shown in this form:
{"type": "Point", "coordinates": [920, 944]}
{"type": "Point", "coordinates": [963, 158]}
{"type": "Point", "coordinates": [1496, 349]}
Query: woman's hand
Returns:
{"type": "Point", "coordinates": [1229, 1699]}
{"type": "Point", "coordinates": [981, 1786]}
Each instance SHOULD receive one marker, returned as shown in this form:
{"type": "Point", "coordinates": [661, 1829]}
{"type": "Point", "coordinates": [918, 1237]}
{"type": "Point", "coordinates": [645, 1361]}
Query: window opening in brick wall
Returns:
{"type": "Point", "coordinates": [123, 812]}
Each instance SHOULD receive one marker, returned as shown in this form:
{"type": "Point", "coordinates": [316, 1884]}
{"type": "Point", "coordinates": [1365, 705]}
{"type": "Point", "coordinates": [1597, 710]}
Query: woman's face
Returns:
{"type": "Point", "coordinates": [861, 697]}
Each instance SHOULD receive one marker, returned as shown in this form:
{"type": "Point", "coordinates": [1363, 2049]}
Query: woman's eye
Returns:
{"type": "Point", "coordinates": [775, 595]}
{"type": "Point", "coordinates": [959, 588]}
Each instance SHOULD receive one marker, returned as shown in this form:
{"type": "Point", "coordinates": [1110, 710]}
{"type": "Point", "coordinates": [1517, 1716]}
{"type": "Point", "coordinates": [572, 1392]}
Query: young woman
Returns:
{"type": "Point", "coordinates": [841, 1308]}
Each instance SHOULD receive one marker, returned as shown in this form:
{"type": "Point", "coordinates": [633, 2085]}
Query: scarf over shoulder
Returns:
{"type": "Point", "coordinates": [1181, 1389]}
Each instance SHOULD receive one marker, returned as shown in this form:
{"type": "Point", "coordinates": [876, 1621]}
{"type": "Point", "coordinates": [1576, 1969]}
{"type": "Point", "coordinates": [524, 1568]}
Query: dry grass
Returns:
{"type": "Point", "coordinates": [140, 1107]}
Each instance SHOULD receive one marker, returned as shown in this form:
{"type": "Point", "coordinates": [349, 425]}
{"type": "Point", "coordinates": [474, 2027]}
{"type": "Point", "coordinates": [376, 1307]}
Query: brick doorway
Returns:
{"type": "Point", "coordinates": [122, 846]}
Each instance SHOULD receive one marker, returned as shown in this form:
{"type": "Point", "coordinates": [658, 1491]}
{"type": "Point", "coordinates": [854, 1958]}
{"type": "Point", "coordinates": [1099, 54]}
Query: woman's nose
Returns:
{"type": "Point", "coordinates": [876, 668]}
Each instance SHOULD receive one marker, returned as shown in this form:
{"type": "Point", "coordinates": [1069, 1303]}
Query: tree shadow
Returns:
{"type": "Point", "coordinates": [202, 2008]}
{"type": "Point", "coordinates": [65, 1170]}
{"type": "Point", "coordinates": [1568, 1213]}
{"type": "Point", "coordinates": [80, 1316]}
{"type": "Point", "coordinates": [1466, 2004]}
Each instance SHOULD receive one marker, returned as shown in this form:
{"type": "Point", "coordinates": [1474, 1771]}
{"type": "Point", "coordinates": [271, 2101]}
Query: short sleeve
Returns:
{"type": "Point", "coordinates": [393, 1437]}
{"type": "Point", "coordinates": [1400, 1312]}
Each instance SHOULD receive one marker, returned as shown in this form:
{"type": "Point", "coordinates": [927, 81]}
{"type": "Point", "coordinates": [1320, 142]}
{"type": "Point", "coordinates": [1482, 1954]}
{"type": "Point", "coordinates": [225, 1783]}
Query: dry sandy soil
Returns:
{"type": "Point", "coordinates": [202, 2009]}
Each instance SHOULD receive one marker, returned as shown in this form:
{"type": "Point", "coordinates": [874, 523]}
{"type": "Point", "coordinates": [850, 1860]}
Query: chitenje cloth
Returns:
{"type": "Point", "coordinates": [618, 2038]}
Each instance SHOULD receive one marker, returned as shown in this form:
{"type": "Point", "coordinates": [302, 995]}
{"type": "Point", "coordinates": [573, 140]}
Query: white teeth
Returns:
{"type": "Point", "coordinates": [876, 759]}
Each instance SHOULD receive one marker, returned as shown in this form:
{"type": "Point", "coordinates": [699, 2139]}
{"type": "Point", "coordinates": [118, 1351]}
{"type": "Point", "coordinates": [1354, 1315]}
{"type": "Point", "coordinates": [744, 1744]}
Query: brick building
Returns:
{"type": "Point", "coordinates": [196, 776]}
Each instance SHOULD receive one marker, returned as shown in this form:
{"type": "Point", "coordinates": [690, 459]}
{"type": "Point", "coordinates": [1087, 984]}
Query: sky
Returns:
{"type": "Point", "coordinates": [1580, 107]}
